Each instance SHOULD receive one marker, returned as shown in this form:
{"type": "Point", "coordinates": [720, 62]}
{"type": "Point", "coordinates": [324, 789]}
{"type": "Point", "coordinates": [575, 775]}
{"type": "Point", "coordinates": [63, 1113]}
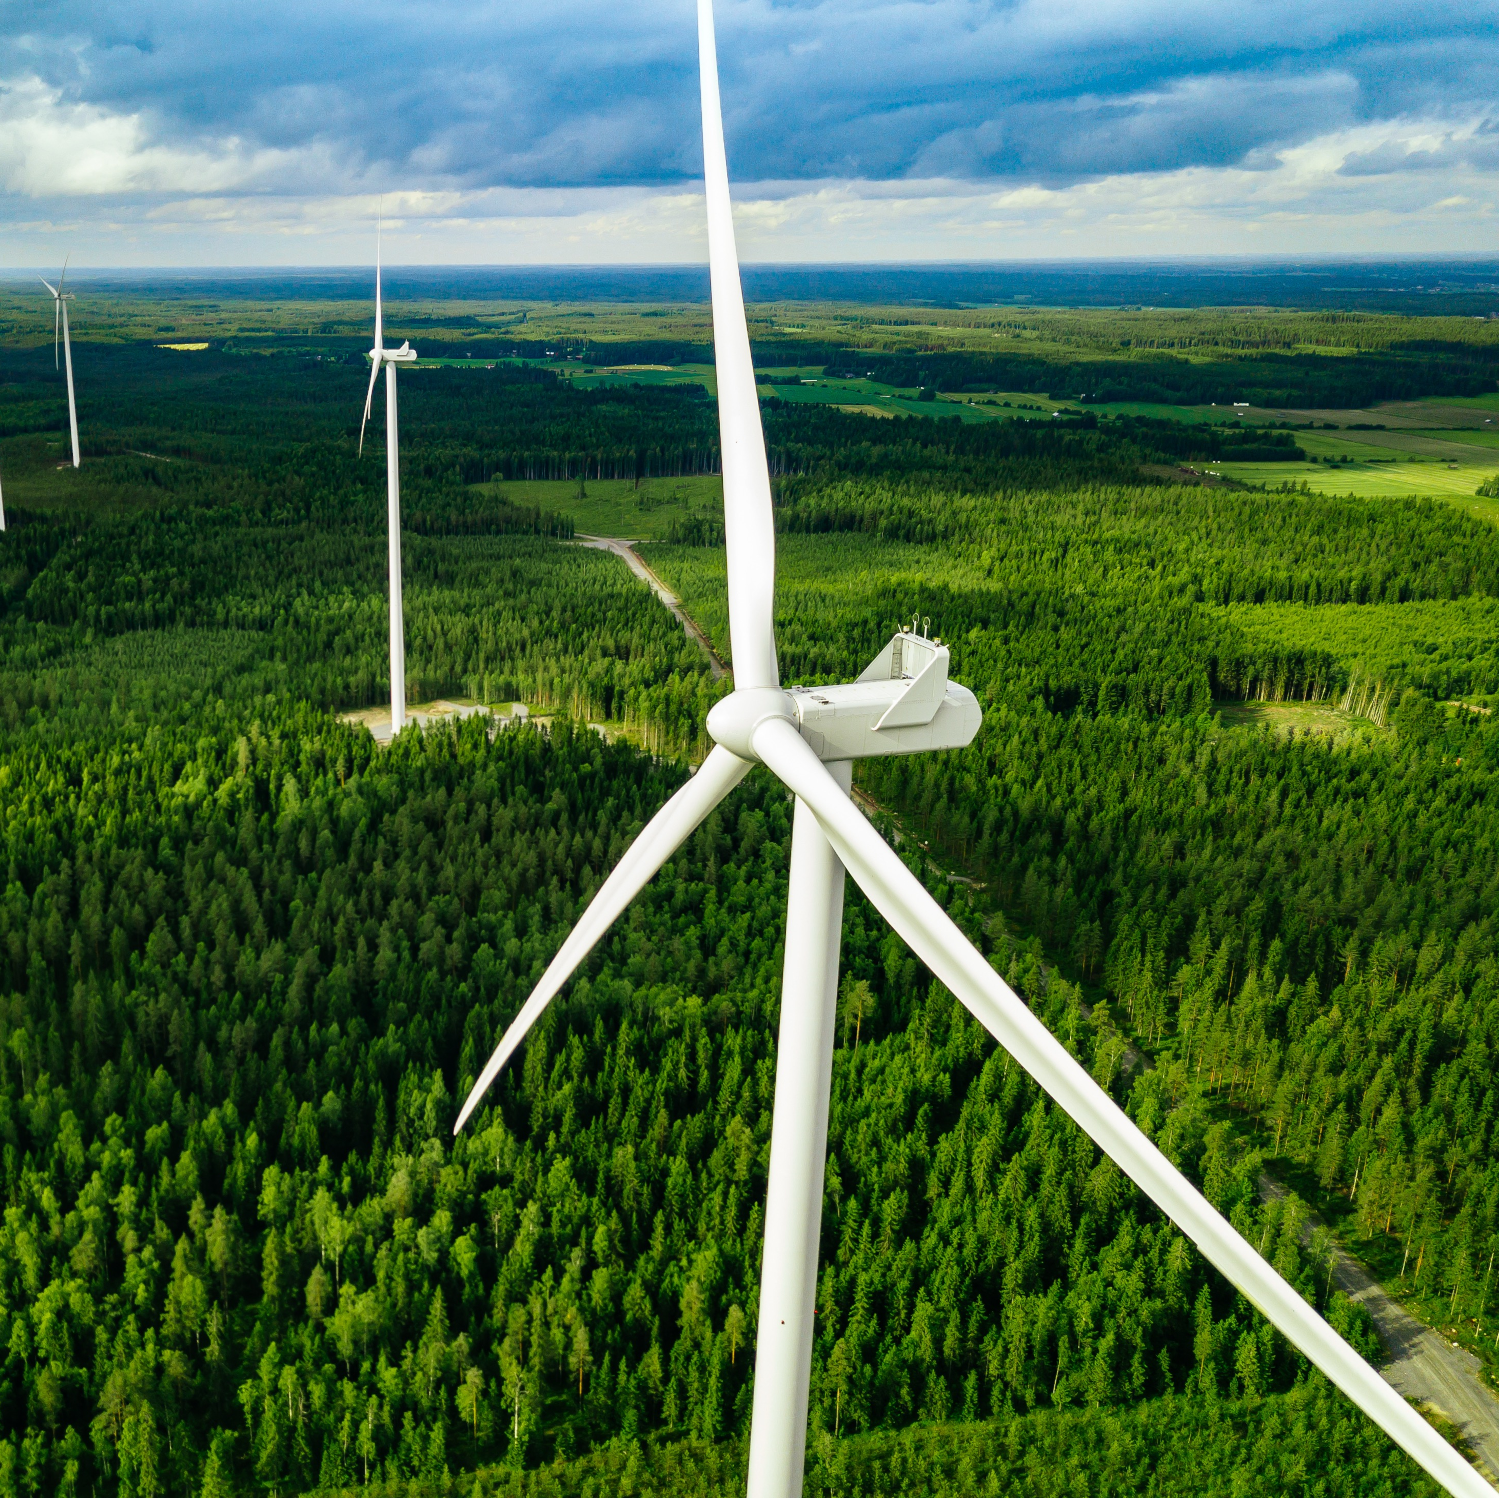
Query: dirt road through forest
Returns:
{"type": "Point", "coordinates": [1423, 1364]}
{"type": "Point", "coordinates": [625, 549]}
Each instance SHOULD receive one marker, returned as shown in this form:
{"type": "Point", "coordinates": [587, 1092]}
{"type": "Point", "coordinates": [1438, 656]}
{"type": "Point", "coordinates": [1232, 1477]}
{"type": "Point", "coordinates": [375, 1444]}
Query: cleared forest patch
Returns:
{"type": "Point", "coordinates": [1287, 718]}
{"type": "Point", "coordinates": [1445, 646]}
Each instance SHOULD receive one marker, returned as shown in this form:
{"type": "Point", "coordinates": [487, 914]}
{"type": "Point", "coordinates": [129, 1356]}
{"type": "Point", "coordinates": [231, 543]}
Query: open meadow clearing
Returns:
{"type": "Point", "coordinates": [1288, 718]}
{"type": "Point", "coordinates": [617, 507]}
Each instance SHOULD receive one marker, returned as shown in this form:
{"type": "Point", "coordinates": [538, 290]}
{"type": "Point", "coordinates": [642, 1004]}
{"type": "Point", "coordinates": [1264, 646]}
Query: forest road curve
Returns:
{"type": "Point", "coordinates": [625, 549]}
{"type": "Point", "coordinates": [1423, 1365]}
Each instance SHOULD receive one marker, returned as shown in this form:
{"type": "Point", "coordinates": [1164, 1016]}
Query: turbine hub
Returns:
{"type": "Point", "coordinates": [732, 722]}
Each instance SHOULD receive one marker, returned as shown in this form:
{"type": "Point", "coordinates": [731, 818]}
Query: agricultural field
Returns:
{"type": "Point", "coordinates": [1456, 483]}
{"type": "Point", "coordinates": [1233, 812]}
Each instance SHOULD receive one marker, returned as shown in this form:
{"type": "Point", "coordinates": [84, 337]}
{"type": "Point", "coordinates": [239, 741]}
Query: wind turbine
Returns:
{"type": "Point", "coordinates": [902, 703]}
{"type": "Point", "coordinates": [390, 357]}
{"type": "Point", "coordinates": [60, 300]}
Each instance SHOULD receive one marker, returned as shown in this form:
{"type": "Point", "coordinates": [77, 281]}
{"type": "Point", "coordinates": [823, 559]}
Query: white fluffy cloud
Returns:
{"type": "Point", "coordinates": [1302, 200]}
{"type": "Point", "coordinates": [167, 130]}
{"type": "Point", "coordinates": [53, 148]}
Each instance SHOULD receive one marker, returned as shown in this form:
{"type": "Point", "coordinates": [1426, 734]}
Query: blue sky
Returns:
{"type": "Point", "coordinates": [195, 132]}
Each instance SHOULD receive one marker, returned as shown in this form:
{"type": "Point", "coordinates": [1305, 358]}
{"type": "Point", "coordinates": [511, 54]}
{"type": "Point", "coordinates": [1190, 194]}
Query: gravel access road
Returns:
{"type": "Point", "coordinates": [1423, 1365]}
{"type": "Point", "coordinates": [625, 548]}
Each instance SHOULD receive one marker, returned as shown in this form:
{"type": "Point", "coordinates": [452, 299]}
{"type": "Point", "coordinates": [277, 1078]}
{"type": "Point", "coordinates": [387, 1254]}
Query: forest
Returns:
{"type": "Point", "coordinates": [250, 964]}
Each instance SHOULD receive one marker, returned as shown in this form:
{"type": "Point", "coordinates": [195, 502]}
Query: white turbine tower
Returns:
{"type": "Point", "coordinates": [60, 300]}
{"type": "Point", "coordinates": [902, 703]}
{"type": "Point", "coordinates": [390, 357]}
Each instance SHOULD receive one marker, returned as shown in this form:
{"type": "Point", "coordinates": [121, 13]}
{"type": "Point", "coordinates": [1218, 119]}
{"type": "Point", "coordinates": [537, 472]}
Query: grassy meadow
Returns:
{"type": "Point", "coordinates": [618, 507]}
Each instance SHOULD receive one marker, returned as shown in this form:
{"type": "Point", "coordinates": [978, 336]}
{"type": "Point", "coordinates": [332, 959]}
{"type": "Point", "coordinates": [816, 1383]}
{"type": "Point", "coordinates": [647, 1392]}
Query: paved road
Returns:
{"type": "Point", "coordinates": [1423, 1364]}
{"type": "Point", "coordinates": [622, 547]}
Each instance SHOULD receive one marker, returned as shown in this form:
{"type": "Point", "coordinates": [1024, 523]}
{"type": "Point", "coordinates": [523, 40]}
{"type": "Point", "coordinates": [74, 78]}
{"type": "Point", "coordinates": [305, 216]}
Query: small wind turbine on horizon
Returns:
{"type": "Point", "coordinates": [380, 355]}
{"type": "Point", "coordinates": [60, 300]}
{"type": "Point", "coordinates": [808, 737]}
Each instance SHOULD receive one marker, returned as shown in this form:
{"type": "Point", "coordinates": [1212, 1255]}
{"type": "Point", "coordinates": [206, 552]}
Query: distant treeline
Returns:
{"type": "Point", "coordinates": [278, 438]}
{"type": "Point", "coordinates": [1267, 379]}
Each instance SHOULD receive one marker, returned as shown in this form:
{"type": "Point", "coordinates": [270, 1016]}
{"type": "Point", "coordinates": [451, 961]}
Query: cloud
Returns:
{"type": "Point", "coordinates": [1474, 144]}
{"type": "Point", "coordinates": [570, 129]}
{"type": "Point", "coordinates": [1297, 201]}
{"type": "Point", "coordinates": [590, 93]}
{"type": "Point", "coordinates": [51, 148]}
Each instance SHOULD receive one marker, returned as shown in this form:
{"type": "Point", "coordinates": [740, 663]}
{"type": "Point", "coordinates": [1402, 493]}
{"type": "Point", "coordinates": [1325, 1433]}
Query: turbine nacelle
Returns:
{"type": "Point", "coordinates": [403, 355]}
{"type": "Point", "coordinates": [901, 703]}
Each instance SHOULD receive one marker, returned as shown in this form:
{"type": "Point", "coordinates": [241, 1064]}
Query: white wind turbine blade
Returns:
{"type": "Point", "coordinates": [60, 316]}
{"type": "Point", "coordinates": [56, 322]}
{"type": "Point", "coordinates": [369, 398]}
{"type": "Point", "coordinates": [749, 528]}
{"type": "Point", "coordinates": [665, 833]}
{"type": "Point", "coordinates": [67, 360]}
{"type": "Point", "coordinates": [936, 940]}
{"type": "Point", "coordinates": [379, 312]}
{"type": "Point", "coordinates": [375, 359]}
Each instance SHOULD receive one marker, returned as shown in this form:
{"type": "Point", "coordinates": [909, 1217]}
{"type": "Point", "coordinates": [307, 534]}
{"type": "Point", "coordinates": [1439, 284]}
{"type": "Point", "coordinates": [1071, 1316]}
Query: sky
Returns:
{"type": "Point", "coordinates": [192, 132]}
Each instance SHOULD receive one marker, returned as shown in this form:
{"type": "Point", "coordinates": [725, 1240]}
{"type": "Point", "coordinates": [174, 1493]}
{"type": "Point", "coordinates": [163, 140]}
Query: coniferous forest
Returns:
{"type": "Point", "coordinates": [250, 963]}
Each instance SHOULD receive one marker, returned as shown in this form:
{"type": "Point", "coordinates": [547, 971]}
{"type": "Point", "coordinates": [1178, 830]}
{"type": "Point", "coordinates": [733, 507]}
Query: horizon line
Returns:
{"type": "Point", "coordinates": [1447, 257]}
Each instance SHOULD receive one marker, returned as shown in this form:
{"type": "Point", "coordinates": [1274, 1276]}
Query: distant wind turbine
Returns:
{"type": "Point", "coordinates": [390, 358]}
{"type": "Point", "coordinates": [808, 737]}
{"type": "Point", "coordinates": [60, 300]}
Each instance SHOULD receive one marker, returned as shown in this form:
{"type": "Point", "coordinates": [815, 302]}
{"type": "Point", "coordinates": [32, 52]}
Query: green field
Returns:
{"type": "Point", "coordinates": [1489, 402]}
{"type": "Point", "coordinates": [678, 374]}
{"type": "Point", "coordinates": [875, 398]}
{"type": "Point", "coordinates": [1372, 479]}
{"type": "Point", "coordinates": [1448, 447]}
{"type": "Point", "coordinates": [616, 507]}
{"type": "Point", "coordinates": [1484, 437]}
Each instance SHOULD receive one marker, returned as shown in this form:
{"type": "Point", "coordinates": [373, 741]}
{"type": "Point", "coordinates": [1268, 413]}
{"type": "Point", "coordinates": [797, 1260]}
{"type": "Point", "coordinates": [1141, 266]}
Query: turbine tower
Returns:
{"type": "Point", "coordinates": [902, 703]}
{"type": "Point", "coordinates": [60, 300]}
{"type": "Point", "coordinates": [390, 357]}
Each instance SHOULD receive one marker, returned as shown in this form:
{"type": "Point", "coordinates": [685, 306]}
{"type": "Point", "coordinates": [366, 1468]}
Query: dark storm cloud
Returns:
{"type": "Point", "coordinates": [579, 92]}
